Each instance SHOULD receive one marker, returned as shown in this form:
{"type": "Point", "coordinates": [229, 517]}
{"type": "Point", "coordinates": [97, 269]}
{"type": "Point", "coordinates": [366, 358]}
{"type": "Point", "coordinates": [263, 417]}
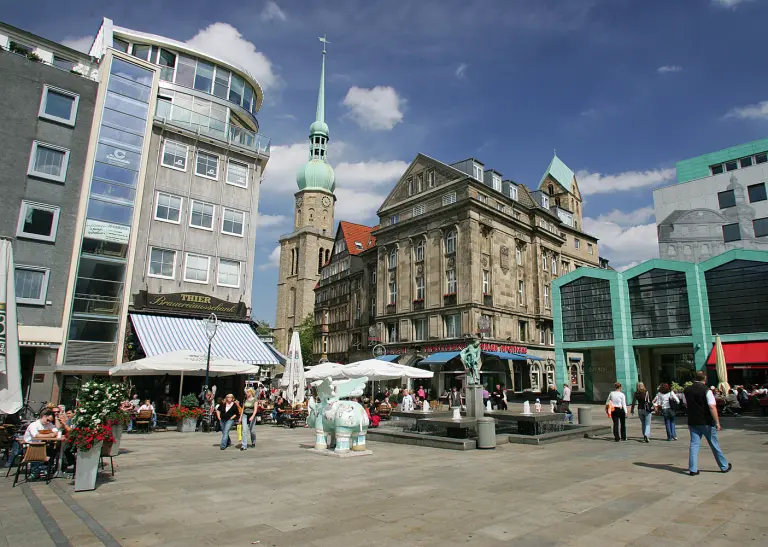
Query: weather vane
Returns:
{"type": "Point", "coordinates": [324, 40]}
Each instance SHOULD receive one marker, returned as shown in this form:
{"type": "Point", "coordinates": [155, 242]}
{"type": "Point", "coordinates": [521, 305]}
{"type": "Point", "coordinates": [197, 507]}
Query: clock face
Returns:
{"type": "Point", "coordinates": [299, 201]}
{"type": "Point", "coordinates": [326, 201]}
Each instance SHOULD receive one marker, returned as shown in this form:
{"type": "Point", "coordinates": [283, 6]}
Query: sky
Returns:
{"type": "Point", "coordinates": [622, 89]}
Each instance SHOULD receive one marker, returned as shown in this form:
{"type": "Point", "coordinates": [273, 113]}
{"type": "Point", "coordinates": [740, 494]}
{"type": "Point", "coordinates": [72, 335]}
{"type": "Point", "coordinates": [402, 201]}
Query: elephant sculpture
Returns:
{"type": "Point", "coordinates": [345, 422]}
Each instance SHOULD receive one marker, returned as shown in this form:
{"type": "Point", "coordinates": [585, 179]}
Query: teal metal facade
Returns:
{"type": "Point", "coordinates": [624, 344]}
{"type": "Point", "coordinates": [698, 167]}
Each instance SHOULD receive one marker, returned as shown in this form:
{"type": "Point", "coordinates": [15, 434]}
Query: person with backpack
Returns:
{"type": "Point", "coordinates": [666, 403]}
{"type": "Point", "coordinates": [644, 409]}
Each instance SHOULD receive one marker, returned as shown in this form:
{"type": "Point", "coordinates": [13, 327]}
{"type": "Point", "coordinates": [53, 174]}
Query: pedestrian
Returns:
{"type": "Point", "coordinates": [703, 421]}
{"type": "Point", "coordinates": [454, 399]}
{"type": "Point", "coordinates": [618, 402]}
{"type": "Point", "coordinates": [486, 396]}
{"type": "Point", "coordinates": [644, 409]}
{"type": "Point", "coordinates": [554, 397]}
{"type": "Point", "coordinates": [566, 400]}
{"type": "Point", "coordinates": [421, 393]}
{"type": "Point", "coordinates": [497, 398]}
{"type": "Point", "coordinates": [227, 412]}
{"type": "Point", "coordinates": [666, 404]}
{"type": "Point", "coordinates": [407, 404]}
{"type": "Point", "coordinates": [247, 418]}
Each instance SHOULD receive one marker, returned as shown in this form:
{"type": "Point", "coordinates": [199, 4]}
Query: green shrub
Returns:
{"type": "Point", "coordinates": [190, 401]}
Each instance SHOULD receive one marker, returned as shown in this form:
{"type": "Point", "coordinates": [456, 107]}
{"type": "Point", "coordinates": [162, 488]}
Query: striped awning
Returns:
{"type": "Point", "coordinates": [160, 334]}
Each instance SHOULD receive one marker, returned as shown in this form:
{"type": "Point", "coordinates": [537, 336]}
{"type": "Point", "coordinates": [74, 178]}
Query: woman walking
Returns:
{"type": "Point", "coordinates": [666, 401]}
{"type": "Point", "coordinates": [644, 409]}
{"type": "Point", "coordinates": [618, 403]}
{"type": "Point", "coordinates": [247, 417]}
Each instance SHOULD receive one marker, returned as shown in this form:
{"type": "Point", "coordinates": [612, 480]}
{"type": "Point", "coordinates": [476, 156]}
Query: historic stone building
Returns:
{"type": "Point", "coordinates": [304, 251]}
{"type": "Point", "coordinates": [461, 252]}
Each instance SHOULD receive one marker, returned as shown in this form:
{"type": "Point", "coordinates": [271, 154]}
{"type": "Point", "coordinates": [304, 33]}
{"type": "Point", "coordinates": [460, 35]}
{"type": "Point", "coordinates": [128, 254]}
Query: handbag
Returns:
{"type": "Point", "coordinates": [647, 405]}
{"type": "Point", "coordinates": [609, 408]}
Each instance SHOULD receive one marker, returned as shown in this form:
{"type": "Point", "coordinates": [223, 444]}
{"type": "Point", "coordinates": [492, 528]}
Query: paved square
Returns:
{"type": "Point", "coordinates": [180, 489]}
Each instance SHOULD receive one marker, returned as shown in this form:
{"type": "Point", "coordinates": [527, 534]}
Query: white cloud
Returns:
{"type": "Point", "coordinates": [625, 267]}
{"type": "Point", "coordinates": [638, 216]}
{"type": "Point", "coordinates": [273, 260]}
{"type": "Point", "coordinates": [757, 111]}
{"type": "Point", "coordinates": [729, 3]}
{"type": "Point", "coordinates": [669, 68]}
{"type": "Point", "coordinates": [597, 183]}
{"type": "Point", "coordinates": [271, 221]}
{"type": "Point", "coordinates": [623, 245]}
{"type": "Point", "coordinates": [461, 71]}
{"type": "Point", "coordinates": [377, 109]}
{"type": "Point", "coordinates": [225, 41]}
{"type": "Point", "coordinates": [80, 43]}
{"type": "Point", "coordinates": [272, 12]}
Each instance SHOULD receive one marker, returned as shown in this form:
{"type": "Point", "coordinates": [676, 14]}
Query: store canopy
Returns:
{"type": "Point", "coordinates": [741, 353]}
{"type": "Point", "coordinates": [183, 362]}
{"type": "Point", "coordinates": [281, 359]}
{"type": "Point", "coordinates": [161, 334]}
{"type": "Point", "coordinates": [440, 358]}
{"type": "Point", "coordinates": [389, 358]}
{"type": "Point", "coordinates": [508, 356]}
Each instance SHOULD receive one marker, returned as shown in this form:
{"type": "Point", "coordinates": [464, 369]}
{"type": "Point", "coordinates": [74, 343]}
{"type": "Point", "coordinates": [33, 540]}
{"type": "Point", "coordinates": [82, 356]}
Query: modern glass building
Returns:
{"type": "Point", "coordinates": [657, 322]}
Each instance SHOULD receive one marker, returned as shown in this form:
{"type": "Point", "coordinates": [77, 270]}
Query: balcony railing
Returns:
{"type": "Point", "coordinates": [418, 304]}
{"type": "Point", "coordinates": [220, 130]}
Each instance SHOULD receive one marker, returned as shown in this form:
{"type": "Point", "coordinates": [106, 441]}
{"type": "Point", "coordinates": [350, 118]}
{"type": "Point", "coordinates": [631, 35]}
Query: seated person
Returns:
{"type": "Point", "coordinates": [375, 419]}
{"type": "Point", "coordinates": [148, 406]}
{"type": "Point", "coordinates": [42, 427]}
{"type": "Point", "coordinates": [64, 424]}
{"type": "Point", "coordinates": [278, 413]}
{"type": "Point", "coordinates": [732, 404]}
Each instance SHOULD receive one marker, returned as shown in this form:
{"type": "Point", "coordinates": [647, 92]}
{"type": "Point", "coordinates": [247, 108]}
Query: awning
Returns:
{"type": "Point", "coordinates": [161, 334]}
{"type": "Point", "coordinates": [440, 357]}
{"type": "Point", "coordinates": [281, 359]}
{"type": "Point", "coordinates": [507, 356]}
{"type": "Point", "coordinates": [741, 353]}
{"type": "Point", "coordinates": [528, 356]}
{"type": "Point", "coordinates": [390, 358]}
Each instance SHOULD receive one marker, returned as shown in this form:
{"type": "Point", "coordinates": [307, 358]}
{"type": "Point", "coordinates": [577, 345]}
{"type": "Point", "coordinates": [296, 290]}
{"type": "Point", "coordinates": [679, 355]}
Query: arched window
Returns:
{"type": "Point", "coordinates": [551, 190]}
{"type": "Point", "coordinates": [320, 260]}
{"type": "Point", "coordinates": [293, 302]}
{"type": "Point", "coordinates": [550, 371]}
{"type": "Point", "coordinates": [450, 242]}
{"type": "Point", "coordinates": [298, 217]}
{"type": "Point", "coordinates": [327, 255]}
{"type": "Point", "coordinates": [293, 261]}
{"type": "Point", "coordinates": [393, 258]}
{"type": "Point", "coordinates": [420, 250]}
{"type": "Point", "coordinates": [535, 378]}
{"type": "Point", "coordinates": [311, 215]}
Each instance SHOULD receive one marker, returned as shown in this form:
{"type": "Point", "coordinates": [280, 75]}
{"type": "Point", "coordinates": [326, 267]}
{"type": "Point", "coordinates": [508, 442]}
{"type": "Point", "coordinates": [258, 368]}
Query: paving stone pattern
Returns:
{"type": "Point", "coordinates": [179, 489]}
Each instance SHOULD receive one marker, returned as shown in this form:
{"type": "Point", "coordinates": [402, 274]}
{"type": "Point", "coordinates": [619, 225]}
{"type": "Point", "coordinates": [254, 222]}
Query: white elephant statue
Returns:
{"type": "Point", "coordinates": [345, 422]}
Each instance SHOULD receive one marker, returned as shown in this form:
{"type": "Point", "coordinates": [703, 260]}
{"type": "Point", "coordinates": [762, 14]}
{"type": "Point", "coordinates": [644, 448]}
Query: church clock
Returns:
{"type": "Point", "coordinates": [326, 201]}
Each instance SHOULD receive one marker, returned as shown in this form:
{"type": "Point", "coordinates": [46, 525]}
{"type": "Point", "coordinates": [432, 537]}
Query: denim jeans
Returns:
{"type": "Point", "coordinates": [710, 433]}
{"type": "Point", "coordinates": [15, 451]}
{"type": "Point", "coordinates": [645, 420]}
{"type": "Point", "coordinates": [669, 423]}
{"type": "Point", "coordinates": [225, 427]}
{"type": "Point", "coordinates": [249, 435]}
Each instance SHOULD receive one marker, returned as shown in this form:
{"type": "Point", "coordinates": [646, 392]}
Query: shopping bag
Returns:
{"type": "Point", "coordinates": [239, 432]}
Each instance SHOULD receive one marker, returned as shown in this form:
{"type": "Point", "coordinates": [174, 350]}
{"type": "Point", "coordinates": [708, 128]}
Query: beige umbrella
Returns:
{"type": "Point", "coordinates": [722, 371]}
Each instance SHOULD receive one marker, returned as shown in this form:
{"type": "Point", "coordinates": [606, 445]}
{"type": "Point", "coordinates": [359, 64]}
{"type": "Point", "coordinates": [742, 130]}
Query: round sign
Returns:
{"type": "Point", "coordinates": [379, 350]}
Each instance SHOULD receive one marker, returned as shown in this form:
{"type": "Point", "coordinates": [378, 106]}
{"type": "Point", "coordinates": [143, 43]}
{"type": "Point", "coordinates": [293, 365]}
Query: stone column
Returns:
{"type": "Point", "coordinates": [474, 399]}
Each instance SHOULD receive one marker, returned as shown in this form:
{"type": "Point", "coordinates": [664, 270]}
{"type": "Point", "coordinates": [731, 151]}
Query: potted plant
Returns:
{"type": "Point", "coordinates": [118, 412]}
{"type": "Point", "coordinates": [186, 413]}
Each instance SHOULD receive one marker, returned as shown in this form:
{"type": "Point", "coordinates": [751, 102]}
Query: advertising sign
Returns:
{"type": "Point", "coordinates": [106, 231]}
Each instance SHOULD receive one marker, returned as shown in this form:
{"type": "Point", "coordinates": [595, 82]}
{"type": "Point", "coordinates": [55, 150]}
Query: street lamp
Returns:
{"type": "Point", "coordinates": [211, 325]}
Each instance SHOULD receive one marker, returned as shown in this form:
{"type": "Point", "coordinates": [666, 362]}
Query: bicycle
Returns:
{"type": "Point", "coordinates": [28, 414]}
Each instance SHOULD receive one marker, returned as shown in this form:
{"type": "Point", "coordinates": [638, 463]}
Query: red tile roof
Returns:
{"type": "Point", "coordinates": [357, 233]}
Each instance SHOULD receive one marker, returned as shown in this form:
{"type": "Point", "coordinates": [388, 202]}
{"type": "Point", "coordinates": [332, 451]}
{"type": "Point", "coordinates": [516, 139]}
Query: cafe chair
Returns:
{"type": "Point", "coordinates": [143, 421]}
{"type": "Point", "coordinates": [35, 453]}
{"type": "Point", "coordinates": [106, 450]}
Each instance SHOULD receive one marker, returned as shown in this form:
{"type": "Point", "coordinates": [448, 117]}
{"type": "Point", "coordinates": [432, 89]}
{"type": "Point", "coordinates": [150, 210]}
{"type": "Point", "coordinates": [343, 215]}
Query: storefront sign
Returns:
{"type": "Point", "coordinates": [484, 346]}
{"type": "Point", "coordinates": [2, 333]}
{"type": "Point", "coordinates": [193, 303]}
{"type": "Point", "coordinates": [106, 231]}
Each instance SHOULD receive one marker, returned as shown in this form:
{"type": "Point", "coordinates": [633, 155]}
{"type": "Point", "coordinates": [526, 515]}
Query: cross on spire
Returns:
{"type": "Point", "coordinates": [325, 41]}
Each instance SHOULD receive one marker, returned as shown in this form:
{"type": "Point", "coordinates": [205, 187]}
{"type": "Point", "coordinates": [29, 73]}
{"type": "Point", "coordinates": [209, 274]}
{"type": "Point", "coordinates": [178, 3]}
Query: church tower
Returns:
{"type": "Point", "coordinates": [304, 251]}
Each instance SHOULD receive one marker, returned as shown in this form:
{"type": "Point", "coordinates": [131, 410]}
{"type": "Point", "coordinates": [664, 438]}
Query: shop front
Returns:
{"type": "Point", "coordinates": [746, 363]}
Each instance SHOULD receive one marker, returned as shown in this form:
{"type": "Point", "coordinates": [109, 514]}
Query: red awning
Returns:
{"type": "Point", "coordinates": [741, 353]}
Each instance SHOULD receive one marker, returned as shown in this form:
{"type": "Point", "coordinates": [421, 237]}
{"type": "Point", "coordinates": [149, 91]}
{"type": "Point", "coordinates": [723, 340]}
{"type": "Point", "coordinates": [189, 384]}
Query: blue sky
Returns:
{"type": "Point", "coordinates": [621, 88]}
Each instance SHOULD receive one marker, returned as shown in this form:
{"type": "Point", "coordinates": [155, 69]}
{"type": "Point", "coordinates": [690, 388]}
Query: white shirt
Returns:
{"type": "Point", "coordinates": [36, 427]}
{"type": "Point", "coordinates": [566, 394]}
{"type": "Point", "coordinates": [618, 399]}
{"type": "Point", "coordinates": [711, 398]}
{"type": "Point", "coordinates": [662, 400]}
{"type": "Point", "coordinates": [407, 404]}
{"type": "Point", "coordinates": [135, 403]}
{"type": "Point", "coordinates": [146, 407]}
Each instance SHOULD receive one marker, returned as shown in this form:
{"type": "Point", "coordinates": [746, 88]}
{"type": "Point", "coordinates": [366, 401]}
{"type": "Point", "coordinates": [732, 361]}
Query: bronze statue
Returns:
{"type": "Point", "coordinates": [470, 357]}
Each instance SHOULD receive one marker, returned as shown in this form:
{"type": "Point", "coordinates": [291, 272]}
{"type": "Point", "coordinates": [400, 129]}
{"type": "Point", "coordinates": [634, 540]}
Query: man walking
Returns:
{"type": "Point", "coordinates": [227, 412]}
{"type": "Point", "coordinates": [565, 404]}
{"type": "Point", "coordinates": [703, 421]}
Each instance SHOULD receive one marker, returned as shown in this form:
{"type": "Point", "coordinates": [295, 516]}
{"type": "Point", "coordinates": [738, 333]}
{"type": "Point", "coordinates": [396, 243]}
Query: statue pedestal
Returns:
{"type": "Point", "coordinates": [474, 398]}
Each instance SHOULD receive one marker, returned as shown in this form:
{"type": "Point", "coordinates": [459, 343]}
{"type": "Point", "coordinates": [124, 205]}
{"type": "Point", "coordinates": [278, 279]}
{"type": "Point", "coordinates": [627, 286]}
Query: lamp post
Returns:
{"type": "Point", "coordinates": [211, 325]}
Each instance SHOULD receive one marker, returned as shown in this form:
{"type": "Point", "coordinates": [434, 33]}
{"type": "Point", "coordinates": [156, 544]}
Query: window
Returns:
{"type": "Point", "coordinates": [221, 83]}
{"type": "Point", "coordinates": [229, 273]}
{"type": "Point", "coordinates": [38, 221]}
{"type": "Point", "coordinates": [452, 326]}
{"type": "Point", "coordinates": [731, 232]}
{"type": "Point", "coordinates": [48, 162]}
{"type": "Point", "coordinates": [58, 105]}
{"type": "Point", "coordinates": [542, 335]}
{"type": "Point", "coordinates": [486, 282]}
{"type": "Point", "coordinates": [207, 165]}
{"type": "Point", "coordinates": [518, 255]}
{"type": "Point", "coordinates": [237, 173]}
{"type": "Point", "coordinates": [450, 281]}
{"type": "Point", "coordinates": [483, 198]}
{"type": "Point", "coordinates": [201, 215]}
{"type": "Point", "coordinates": [745, 162]}
{"type": "Point", "coordinates": [576, 243]}
{"type": "Point", "coordinates": [31, 285]}
{"type": "Point", "coordinates": [496, 182]}
{"type": "Point", "coordinates": [394, 219]}
{"type": "Point", "coordinates": [419, 329]}
{"type": "Point", "coordinates": [410, 186]}
{"type": "Point", "coordinates": [486, 321]}
{"type": "Point", "coordinates": [513, 191]}
{"type": "Point", "coordinates": [232, 222]}
{"type": "Point", "coordinates": [418, 209]}
{"type": "Point", "coordinates": [196, 268]}
{"type": "Point", "coordinates": [373, 276]}
{"type": "Point", "coordinates": [545, 201]}
{"type": "Point", "coordinates": [449, 199]}
{"type": "Point", "coordinates": [450, 242]}
{"type": "Point", "coordinates": [544, 261]}
{"type": "Point", "coordinates": [731, 165]}
{"type": "Point", "coordinates": [64, 64]}
{"type": "Point", "coordinates": [761, 158]}
{"type": "Point", "coordinates": [590, 250]}
{"type": "Point", "coordinates": [551, 337]}
{"type": "Point", "coordinates": [716, 169]}
{"type": "Point", "coordinates": [392, 293]}
{"type": "Point", "coordinates": [726, 199]}
{"type": "Point", "coordinates": [546, 296]}
{"type": "Point", "coordinates": [477, 171]}
{"type": "Point", "coordinates": [761, 227]}
{"type": "Point", "coordinates": [554, 265]}
{"type": "Point", "coordinates": [420, 287]}
{"type": "Point", "coordinates": [175, 155]}
{"type": "Point", "coordinates": [431, 179]}
{"type": "Point", "coordinates": [168, 208]}
{"type": "Point", "coordinates": [566, 268]}
{"type": "Point", "coordinates": [757, 192]}
{"type": "Point", "coordinates": [119, 44]}
{"type": "Point", "coordinates": [392, 259]}
{"type": "Point", "coordinates": [162, 263]}
{"type": "Point", "coordinates": [500, 207]}
{"type": "Point", "coordinates": [392, 332]}
{"type": "Point", "coordinates": [204, 76]}
{"type": "Point", "coordinates": [141, 51]}
{"type": "Point", "coordinates": [419, 251]}
{"type": "Point", "coordinates": [523, 330]}
{"type": "Point", "coordinates": [167, 62]}
{"type": "Point", "coordinates": [419, 183]}
{"type": "Point", "coordinates": [521, 292]}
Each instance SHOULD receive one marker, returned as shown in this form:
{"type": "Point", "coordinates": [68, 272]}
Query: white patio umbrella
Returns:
{"type": "Point", "coordinates": [11, 398]}
{"type": "Point", "coordinates": [720, 366]}
{"type": "Point", "coordinates": [376, 369]}
{"type": "Point", "coordinates": [323, 370]}
{"type": "Point", "coordinates": [293, 377]}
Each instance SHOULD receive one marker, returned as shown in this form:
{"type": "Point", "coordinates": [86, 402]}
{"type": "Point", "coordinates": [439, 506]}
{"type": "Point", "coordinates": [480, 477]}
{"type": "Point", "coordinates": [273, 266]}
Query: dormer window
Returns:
{"type": "Point", "coordinates": [545, 201]}
{"type": "Point", "coordinates": [410, 186]}
{"type": "Point", "coordinates": [477, 171]}
{"type": "Point", "coordinates": [358, 246]}
{"type": "Point", "coordinates": [431, 179]}
{"type": "Point", "coordinates": [496, 183]}
{"type": "Point", "coordinates": [513, 191]}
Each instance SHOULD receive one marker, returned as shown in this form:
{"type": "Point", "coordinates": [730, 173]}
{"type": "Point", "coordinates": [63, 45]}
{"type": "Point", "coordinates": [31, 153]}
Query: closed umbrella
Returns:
{"type": "Point", "coordinates": [720, 366]}
{"type": "Point", "coordinates": [10, 364]}
{"type": "Point", "coordinates": [293, 378]}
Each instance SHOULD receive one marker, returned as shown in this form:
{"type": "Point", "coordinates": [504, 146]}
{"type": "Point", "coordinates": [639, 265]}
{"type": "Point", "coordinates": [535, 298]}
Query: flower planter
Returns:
{"type": "Point", "coordinates": [117, 433]}
{"type": "Point", "coordinates": [87, 468]}
{"type": "Point", "coordinates": [187, 425]}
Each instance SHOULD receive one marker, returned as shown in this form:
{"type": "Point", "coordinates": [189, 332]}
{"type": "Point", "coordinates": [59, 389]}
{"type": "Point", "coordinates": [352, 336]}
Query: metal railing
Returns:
{"type": "Point", "coordinates": [33, 57]}
{"type": "Point", "coordinates": [207, 126]}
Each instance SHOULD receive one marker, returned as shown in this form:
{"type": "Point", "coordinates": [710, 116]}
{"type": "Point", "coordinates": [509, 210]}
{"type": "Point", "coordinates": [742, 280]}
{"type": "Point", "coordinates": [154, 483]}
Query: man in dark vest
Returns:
{"type": "Point", "coordinates": [703, 421]}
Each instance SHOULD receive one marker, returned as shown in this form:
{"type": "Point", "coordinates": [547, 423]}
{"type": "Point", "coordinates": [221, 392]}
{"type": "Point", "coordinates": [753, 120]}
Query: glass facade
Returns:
{"type": "Point", "coordinates": [658, 302]}
{"type": "Point", "coordinates": [586, 310]}
{"type": "Point", "coordinates": [101, 273]}
{"type": "Point", "coordinates": [738, 297]}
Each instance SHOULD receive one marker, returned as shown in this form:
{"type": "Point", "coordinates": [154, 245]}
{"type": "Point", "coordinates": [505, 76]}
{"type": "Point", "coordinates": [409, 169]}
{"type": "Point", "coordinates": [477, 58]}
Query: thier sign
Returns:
{"type": "Point", "coordinates": [188, 304]}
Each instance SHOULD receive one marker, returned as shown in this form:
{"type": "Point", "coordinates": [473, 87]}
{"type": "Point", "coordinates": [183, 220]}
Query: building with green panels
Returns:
{"type": "Point", "coordinates": [657, 322]}
{"type": "Point", "coordinates": [726, 160]}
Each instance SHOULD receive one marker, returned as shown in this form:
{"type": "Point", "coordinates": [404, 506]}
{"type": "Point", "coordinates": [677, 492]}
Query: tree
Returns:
{"type": "Point", "coordinates": [306, 331]}
{"type": "Point", "coordinates": [262, 327]}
